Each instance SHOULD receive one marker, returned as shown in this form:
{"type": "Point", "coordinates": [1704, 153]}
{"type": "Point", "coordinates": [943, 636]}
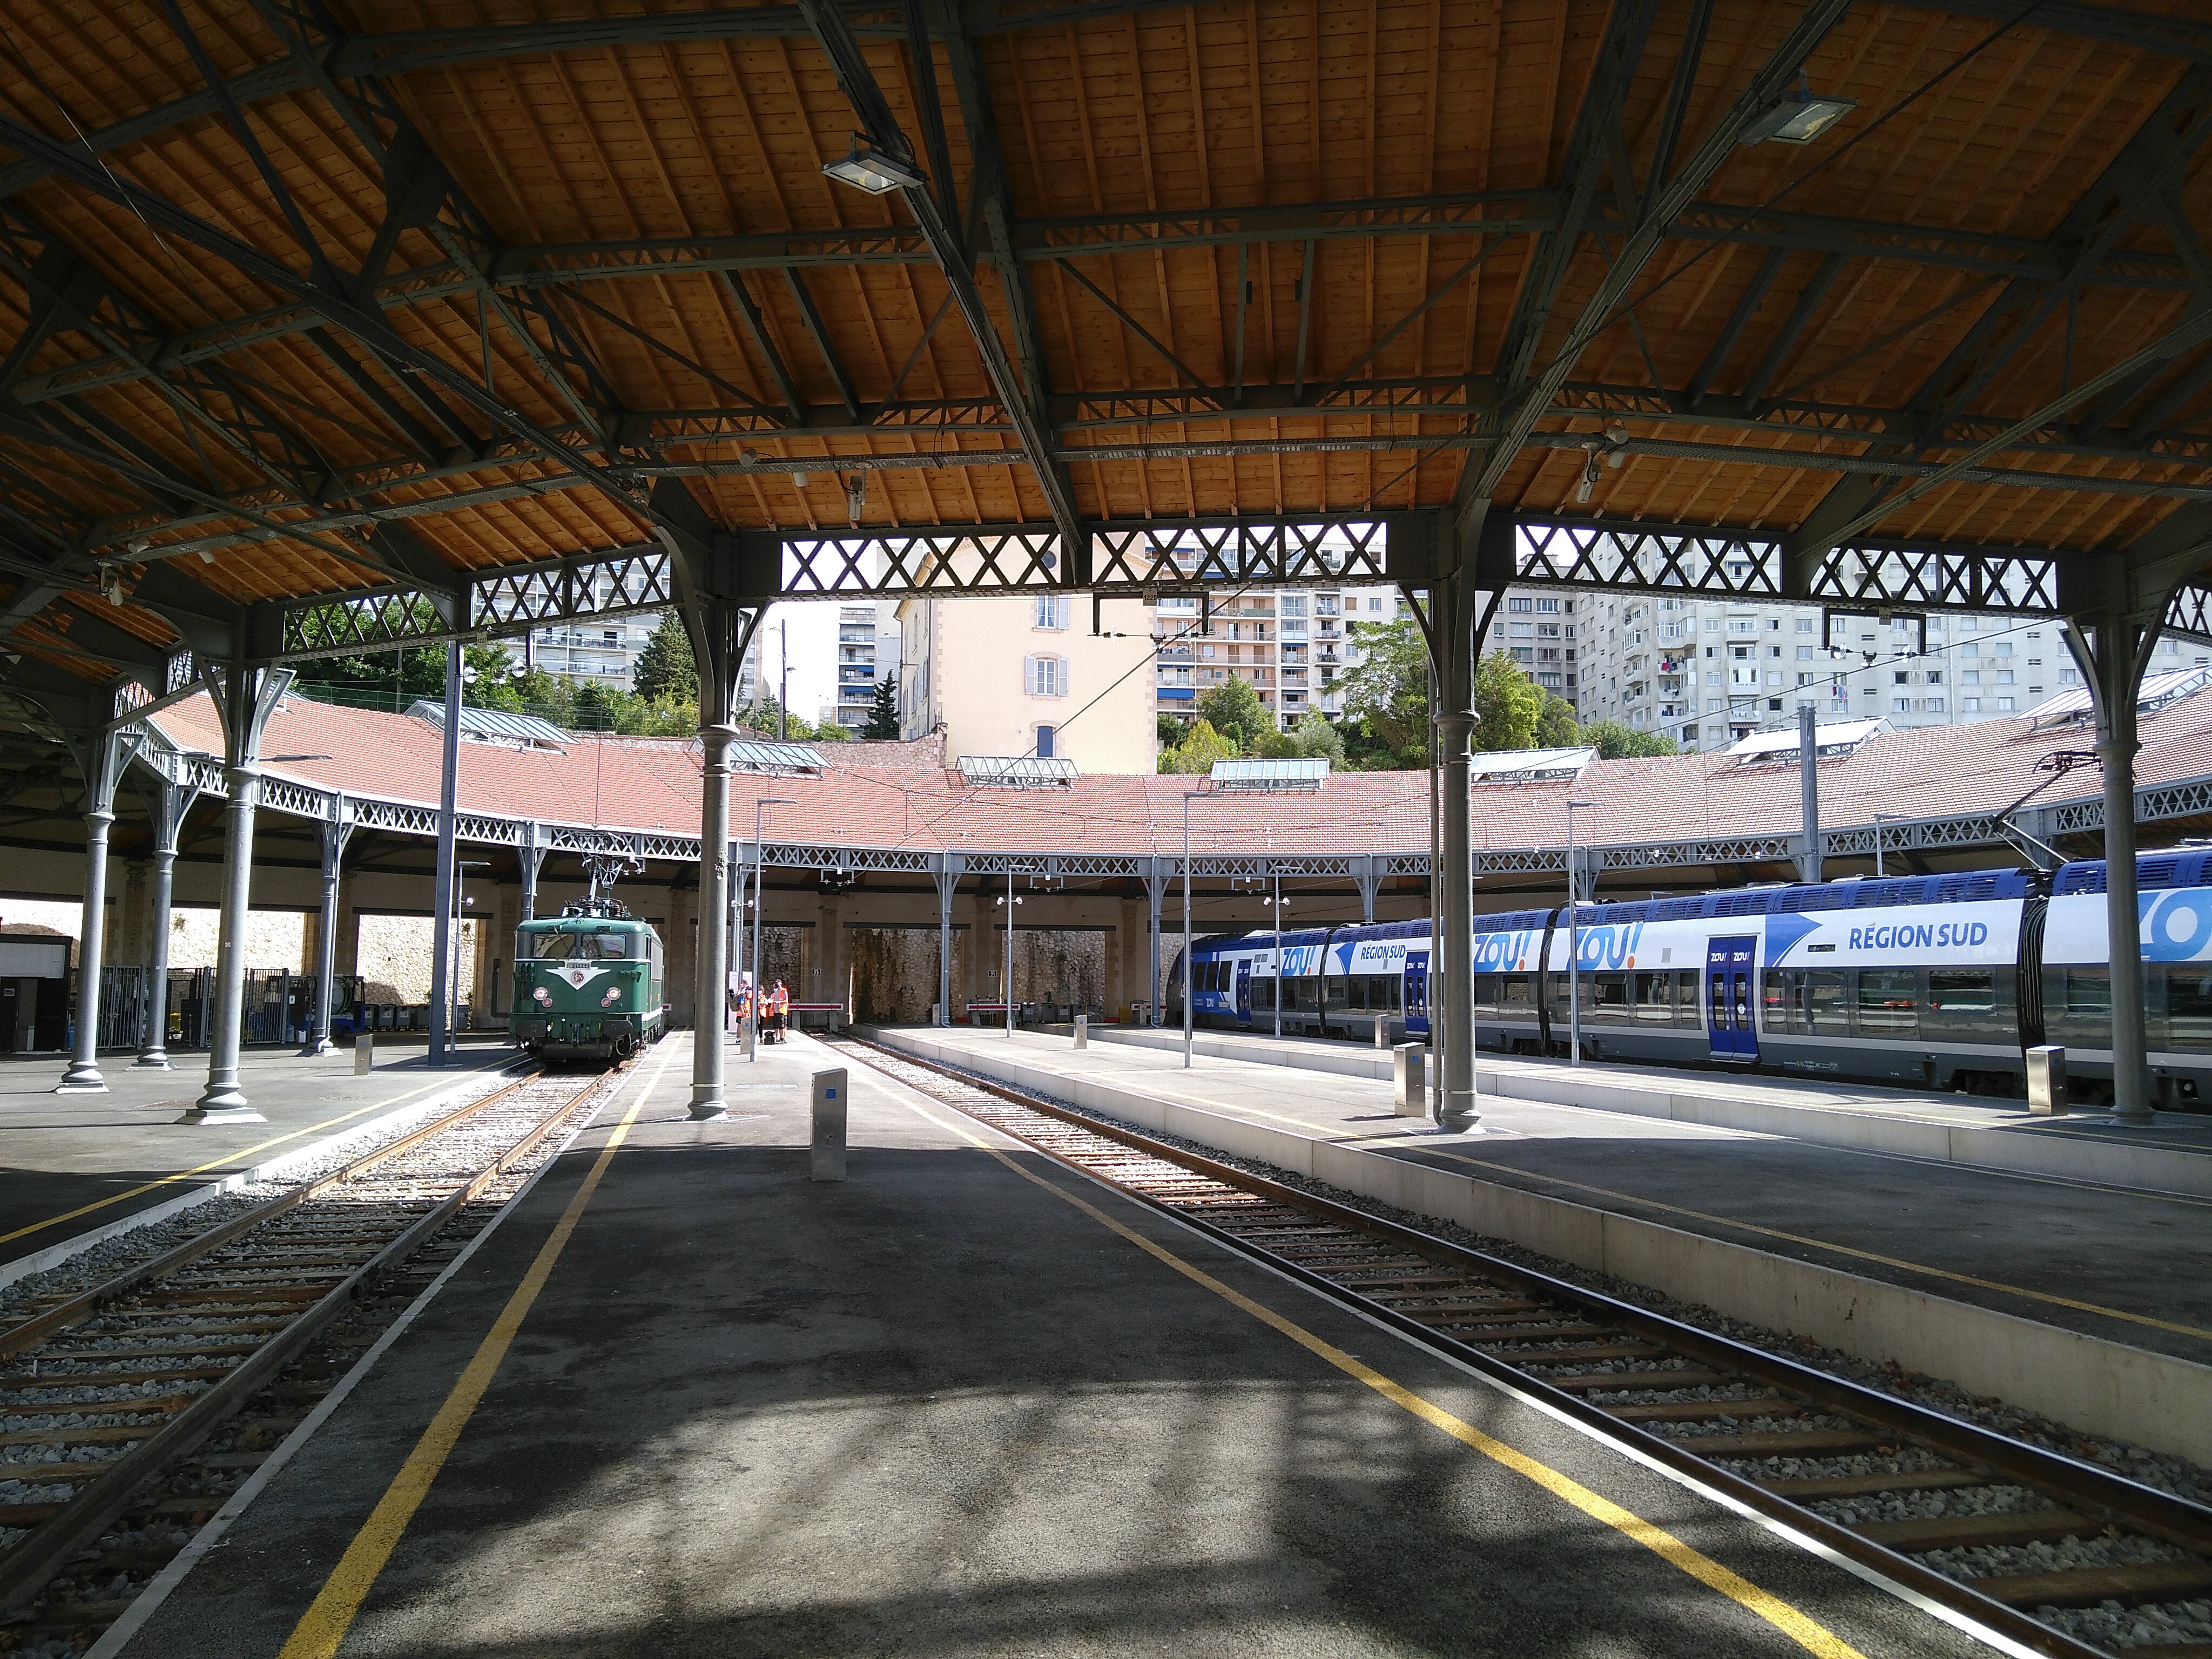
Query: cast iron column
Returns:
{"type": "Point", "coordinates": [710, 996]}
{"type": "Point", "coordinates": [335, 832]}
{"type": "Point", "coordinates": [165, 806]}
{"type": "Point", "coordinates": [2116, 675]}
{"type": "Point", "coordinates": [102, 759]}
{"type": "Point", "coordinates": [1455, 1110]}
{"type": "Point", "coordinates": [441, 900]}
{"type": "Point", "coordinates": [245, 699]}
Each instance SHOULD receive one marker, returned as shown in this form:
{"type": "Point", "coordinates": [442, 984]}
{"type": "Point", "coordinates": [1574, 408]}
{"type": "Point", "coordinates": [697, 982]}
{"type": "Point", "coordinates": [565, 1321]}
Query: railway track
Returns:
{"type": "Point", "coordinates": [129, 1411]}
{"type": "Point", "coordinates": [2033, 1543]}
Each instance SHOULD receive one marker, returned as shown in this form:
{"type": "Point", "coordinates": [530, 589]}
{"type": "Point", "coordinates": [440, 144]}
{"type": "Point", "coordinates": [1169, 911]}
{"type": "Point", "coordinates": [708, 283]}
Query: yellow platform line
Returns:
{"type": "Point", "coordinates": [325, 1623]}
{"type": "Point", "coordinates": [224, 1161]}
{"type": "Point", "coordinates": [1802, 1629]}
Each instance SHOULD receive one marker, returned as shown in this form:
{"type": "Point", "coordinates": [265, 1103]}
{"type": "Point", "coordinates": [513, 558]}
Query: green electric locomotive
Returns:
{"type": "Point", "coordinates": [587, 984]}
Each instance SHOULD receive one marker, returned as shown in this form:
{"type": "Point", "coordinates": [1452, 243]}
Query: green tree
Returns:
{"type": "Point", "coordinates": [1314, 738]}
{"type": "Point", "coordinates": [1555, 725]}
{"type": "Point", "coordinates": [666, 670]}
{"type": "Point", "coordinates": [392, 678]}
{"type": "Point", "coordinates": [1386, 697]}
{"type": "Point", "coordinates": [1615, 741]}
{"type": "Point", "coordinates": [1202, 746]}
{"type": "Point", "coordinates": [883, 717]}
{"type": "Point", "coordinates": [1167, 731]}
{"type": "Point", "coordinates": [1232, 710]}
{"type": "Point", "coordinates": [1507, 703]}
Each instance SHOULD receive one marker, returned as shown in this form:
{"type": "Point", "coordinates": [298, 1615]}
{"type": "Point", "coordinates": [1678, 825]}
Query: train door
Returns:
{"type": "Point", "coordinates": [1244, 992]}
{"type": "Point", "coordinates": [1731, 999]}
{"type": "Point", "coordinates": [1417, 992]}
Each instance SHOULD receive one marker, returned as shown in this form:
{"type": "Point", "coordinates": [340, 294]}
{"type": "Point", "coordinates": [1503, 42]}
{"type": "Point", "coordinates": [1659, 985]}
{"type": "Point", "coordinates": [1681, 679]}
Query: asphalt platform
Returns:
{"type": "Point", "coordinates": [952, 1407]}
{"type": "Point", "coordinates": [2126, 1261]}
{"type": "Point", "coordinates": [76, 1164]}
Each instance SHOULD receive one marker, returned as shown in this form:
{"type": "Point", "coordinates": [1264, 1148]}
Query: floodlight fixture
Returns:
{"type": "Point", "coordinates": [1799, 119]}
{"type": "Point", "coordinates": [866, 167]}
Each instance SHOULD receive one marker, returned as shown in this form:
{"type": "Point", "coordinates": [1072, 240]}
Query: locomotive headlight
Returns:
{"type": "Point", "coordinates": [613, 995]}
{"type": "Point", "coordinates": [544, 996]}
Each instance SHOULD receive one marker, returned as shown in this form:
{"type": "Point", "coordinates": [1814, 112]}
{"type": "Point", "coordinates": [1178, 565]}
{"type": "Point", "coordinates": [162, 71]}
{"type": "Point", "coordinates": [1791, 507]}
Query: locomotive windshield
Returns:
{"type": "Point", "coordinates": [566, 947]}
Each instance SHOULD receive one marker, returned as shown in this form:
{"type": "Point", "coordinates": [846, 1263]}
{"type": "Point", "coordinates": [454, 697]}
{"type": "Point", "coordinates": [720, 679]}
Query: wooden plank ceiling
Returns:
{"type": "Point", "coordinates": [1273, 255]}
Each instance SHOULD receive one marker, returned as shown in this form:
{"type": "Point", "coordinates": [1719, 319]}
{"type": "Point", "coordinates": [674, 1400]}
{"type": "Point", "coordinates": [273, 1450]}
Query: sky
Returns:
{"type": "Point", "coordinates": [812, 629]}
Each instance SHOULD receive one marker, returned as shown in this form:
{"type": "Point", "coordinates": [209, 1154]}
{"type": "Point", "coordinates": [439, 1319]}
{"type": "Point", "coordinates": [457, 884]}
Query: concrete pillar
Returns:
{"type": "Point", "coordinates": [165, 806]}
{"type": "Point", "coordinates": [245, 698]}
{"type": "Point", "coordinates": [335, 833]}
{"type": "Point", "coordinates": [101, 757]}
{"type": "Point", "coordinates": [441, 896]}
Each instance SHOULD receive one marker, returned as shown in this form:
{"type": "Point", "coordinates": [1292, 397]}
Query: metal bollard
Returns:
{"type": "Point", "coordinates": [2047, 1080]}
{"type": "Point", "coordinates": [828, 1126]}
{"type": "Point", "coordinates": [1382, 1031]}
{"type": "Point", "coordinates": [364, 1052]}
{"type": "Point", "coordinates": [1082, 1030]}
{"type": "Point", "coordinates": [1409, 1073]}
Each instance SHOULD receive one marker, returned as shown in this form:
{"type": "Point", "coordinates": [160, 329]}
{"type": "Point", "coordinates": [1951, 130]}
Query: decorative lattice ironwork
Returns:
{"type": "Point", "coordinates": [1960, 578]}
{"type": "Point", "coordinates": [1244, 553]}
{"type": "Point", "coordinates": [600, 588]}
{"type": "Point", "coordinates": [984, 559]}
{"type": "Point", "coordinates": [1583, 553]}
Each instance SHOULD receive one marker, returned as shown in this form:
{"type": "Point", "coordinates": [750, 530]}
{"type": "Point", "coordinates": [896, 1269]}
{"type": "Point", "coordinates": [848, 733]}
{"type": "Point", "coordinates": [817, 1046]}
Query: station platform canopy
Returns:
{"type": "Point", "coordinates": [320, 336]}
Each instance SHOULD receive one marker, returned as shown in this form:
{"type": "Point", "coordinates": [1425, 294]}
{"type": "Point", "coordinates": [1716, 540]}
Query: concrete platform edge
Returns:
{"type": "Point", "coordinates": [53, 1255]}
{"type": "Point", "coordinates": [2087, 1382]}
{"type": "Point", "coordinates": [2024, 1151]}
{"type": "Point", "coordinates": [148, 1600]}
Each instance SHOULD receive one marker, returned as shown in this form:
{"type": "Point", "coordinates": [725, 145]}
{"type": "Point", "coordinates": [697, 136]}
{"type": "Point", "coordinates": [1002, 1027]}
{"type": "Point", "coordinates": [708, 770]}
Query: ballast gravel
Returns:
{"type": "Point", "coordinates": [2110, 1625]}
{"type": "Point", "coordinates": [1935, 1504]}
{"type": "Point", "coordinates": [1992, 1560]}
{"type": "Point", "coordinates": [2166, 1473]}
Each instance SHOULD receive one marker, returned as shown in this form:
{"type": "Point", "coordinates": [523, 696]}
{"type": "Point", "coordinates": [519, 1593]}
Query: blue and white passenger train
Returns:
{"type": "Point", "coordinates": [1934, 981]}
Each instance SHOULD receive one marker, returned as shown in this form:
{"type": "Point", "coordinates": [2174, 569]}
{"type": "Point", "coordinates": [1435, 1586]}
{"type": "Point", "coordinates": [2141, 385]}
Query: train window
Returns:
{"type": "Point", "coordinates": [1654, 996]}
{"type": "Point", "coordinates": [1962, 993]}
{"type": "Point", "coordinates": [2189, 1007]}
{"type": "Point", "coordinates": [613, 947]}
{"type": "Point", "coordinates": [1889, 1004]}
{"type": "Point", "coordinates": [1387, 986]}
{"type": "Point", "coordinates": [1486, 993]}
{"type": "Point", "coordinates": [1784, 1000]}
{"type": "Point", "coordinates": [554, 947]}
{"type": "Point", "coordinates": [2089, 995]}
{"type": "Point", "coordinates": [1305, 994]}
{"type": "Point", "coordinates": [1263, 994]}
{"type": "Point", "coordinates": [1516, 1000]}
{"type": "Point", "coordinates": [1334, 989]}
{"type": "Point", "coordinates": [1828, 1007]}
{"type": "Point", "coordinates": [1689, 1012]}
{"type": "Point", "coordinates": [1608, 997]}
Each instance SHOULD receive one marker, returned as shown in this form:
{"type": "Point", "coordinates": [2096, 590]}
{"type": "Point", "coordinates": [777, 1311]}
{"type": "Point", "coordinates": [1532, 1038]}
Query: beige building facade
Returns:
{"type": "Point", "coordinates": [1015, 677]}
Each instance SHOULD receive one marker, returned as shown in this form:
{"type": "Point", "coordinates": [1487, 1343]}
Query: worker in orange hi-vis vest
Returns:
{"type": "Point", "coordinates": [744, 1005]}
{"type": "Point", "coordinates": [779, 1002]}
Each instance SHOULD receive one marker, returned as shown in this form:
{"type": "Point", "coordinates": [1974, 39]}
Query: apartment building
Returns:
{"type": "Point", "coordinates": [605, 652]}
{"type": "Point", "coordinates": [1290, 644]}
{"type": "Point", "coordinates": [1708, 672]}
{"type": "Point", "coordinates": [1018, 677]}
{"type": "Point", "coordinates": [858, 665]}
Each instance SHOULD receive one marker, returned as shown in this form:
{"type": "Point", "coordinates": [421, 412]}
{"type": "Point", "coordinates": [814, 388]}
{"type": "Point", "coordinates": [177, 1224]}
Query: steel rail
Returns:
{"type": "Point", "coordinates": [86, 1303]}
{"type": "Point", "coordinates": [2096, 1494]}
{"type": "Point", "coordinates": [26, 1566]}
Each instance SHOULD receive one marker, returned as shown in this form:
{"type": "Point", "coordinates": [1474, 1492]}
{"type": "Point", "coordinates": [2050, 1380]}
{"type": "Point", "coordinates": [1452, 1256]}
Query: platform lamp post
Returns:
{"type": "Point", "coordinates": [1007, 995]}
{"type": "Point", "coordinates": [760, 903]}
{"type": "Point", "coordinates": [1574, 943]}
{"type": "Point", "coordinates": [1276, 908]}
{"type": "Point", "coordinates": [458, 902]}
{"type": "Point", "coordinates": [1189, 795]}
